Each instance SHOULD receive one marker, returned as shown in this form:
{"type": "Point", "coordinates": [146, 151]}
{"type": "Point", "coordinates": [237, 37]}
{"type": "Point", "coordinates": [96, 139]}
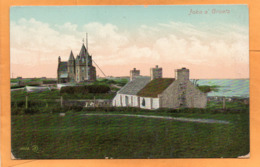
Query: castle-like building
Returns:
{"type": "Point", "coordinates": [76, 70]}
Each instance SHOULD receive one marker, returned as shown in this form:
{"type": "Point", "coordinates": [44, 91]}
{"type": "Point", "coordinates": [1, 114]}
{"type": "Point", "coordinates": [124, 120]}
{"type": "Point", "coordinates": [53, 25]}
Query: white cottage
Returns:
{"type": "Point", "coordinates": [178, 92]}
{"type": "Point", "coordinates": [127, 96]}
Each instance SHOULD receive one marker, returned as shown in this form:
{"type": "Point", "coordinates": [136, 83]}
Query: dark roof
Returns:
{"type": "Point", "coordinates": [77, 59]}
{"type": "Point", "coordinates": [62, 66]}
{"type": "Point", "coordinates": [71, 56]}
{"type": "Point", "coordinates": [155, 87]}
{"type": "Point", "coordinates": [134, 86]}
{"type": "Point", "coordinates": [83, 51]}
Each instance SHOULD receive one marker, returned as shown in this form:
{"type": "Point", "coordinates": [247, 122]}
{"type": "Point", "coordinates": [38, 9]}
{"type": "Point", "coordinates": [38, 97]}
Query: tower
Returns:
{"type": "Point", "coordinates": [71, 68]}
{"type": "Point", "coordinates": [156, 72]}
{"type": "Point", "coordinates": [79, 68]}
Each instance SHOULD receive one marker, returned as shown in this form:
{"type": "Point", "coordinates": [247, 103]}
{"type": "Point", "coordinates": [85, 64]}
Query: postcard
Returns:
{"type": "Point", "coordinates": [129, 82]}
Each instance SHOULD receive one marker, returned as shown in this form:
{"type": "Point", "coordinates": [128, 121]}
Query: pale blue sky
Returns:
{"type": "Point", "coordinates": [127, 17]}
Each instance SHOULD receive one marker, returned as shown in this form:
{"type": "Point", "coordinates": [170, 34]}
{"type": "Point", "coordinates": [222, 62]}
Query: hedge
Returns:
{"type": "Point", "coordinates": [85, 89]}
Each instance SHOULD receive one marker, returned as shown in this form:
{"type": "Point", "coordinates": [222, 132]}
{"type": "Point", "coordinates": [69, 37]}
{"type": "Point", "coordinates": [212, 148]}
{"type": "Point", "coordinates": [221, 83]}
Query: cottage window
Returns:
{"type": "Point", "coordinates": [143, 102]}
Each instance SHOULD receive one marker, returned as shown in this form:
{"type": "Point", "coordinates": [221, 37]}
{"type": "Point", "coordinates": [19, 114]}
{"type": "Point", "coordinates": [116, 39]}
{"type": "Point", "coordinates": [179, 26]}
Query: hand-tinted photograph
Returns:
{"type": "Point", "coordinates": [129, 82]}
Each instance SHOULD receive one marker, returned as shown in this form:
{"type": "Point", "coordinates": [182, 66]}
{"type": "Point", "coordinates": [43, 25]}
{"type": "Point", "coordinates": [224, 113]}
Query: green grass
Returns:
{"type": "Point", "coordinates": [55, 94]}
{"type": "Point", "coordinates": [78, 136]}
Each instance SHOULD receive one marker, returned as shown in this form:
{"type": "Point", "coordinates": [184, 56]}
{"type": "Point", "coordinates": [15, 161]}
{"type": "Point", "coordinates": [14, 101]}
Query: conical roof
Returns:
{"type": "Point", "coordinates": [83, 51]}
{"type": "Point", "coordinates": [71, 56]}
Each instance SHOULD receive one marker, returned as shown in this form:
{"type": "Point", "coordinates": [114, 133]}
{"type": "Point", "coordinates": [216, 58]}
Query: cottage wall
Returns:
{"type": "Point", "coordinates": [149, 103]}
{"type": "Point", "coordinates": [122, 100]}
{"type": "Point", "coordinates": [195, 98]}
{"type": "Point", "coordinates": [169, 97]}
{"type": "Point", "coordinates": [183, 94]}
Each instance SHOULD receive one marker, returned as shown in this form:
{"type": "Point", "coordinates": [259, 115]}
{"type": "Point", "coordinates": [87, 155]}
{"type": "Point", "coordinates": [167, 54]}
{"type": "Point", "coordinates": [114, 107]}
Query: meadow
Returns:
{"type": "Point", "coordinates": [51, 136]}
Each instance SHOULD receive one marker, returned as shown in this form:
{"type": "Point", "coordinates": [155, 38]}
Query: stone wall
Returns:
{"type": "Point", "coordinates": [183, 94]}
{"type": "Point", "coordinates": [88, 103]}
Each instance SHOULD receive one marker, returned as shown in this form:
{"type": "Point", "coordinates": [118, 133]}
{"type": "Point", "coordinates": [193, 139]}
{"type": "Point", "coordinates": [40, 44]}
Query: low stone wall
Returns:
{"type": "Point", "coordinates": [244, 100]}
{"type": "Point", "coordinates": [88, 103]}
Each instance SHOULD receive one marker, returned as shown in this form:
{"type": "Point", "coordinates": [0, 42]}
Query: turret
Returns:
{"type": "Point", "coordinates": [71, 58]}
{"type": "Point", "coordinates": [59, 59]}
{"type": "Point", "coordinates": [71, 67]}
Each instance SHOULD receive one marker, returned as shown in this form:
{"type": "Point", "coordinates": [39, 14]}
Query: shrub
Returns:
{"type": "Point", "coordinates": [16, 86]}
{"type": "Point", "coordinates": [17, 111]}
{"type": "Point", "coordinates": [49, 82]}
{"type": "Point", "coordinates": [31, 110]}
{"type": "Point", "coordinates": [73, 108]}
{"type": "Point", "coordinates": [97, 88]}
{"type": "Point", "coordinates": [85, 89]}
{"type": "Point", "coordinates": [22, 110]}
{"type": "Point", "coordinates": [207, 88]}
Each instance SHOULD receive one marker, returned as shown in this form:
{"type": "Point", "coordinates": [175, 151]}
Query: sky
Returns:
{"type": "Point", "coordinates": [211, 40]}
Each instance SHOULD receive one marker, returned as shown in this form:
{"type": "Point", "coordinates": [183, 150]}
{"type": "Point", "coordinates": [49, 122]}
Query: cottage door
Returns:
{"type": "Point", "coordinates": [126, 101]}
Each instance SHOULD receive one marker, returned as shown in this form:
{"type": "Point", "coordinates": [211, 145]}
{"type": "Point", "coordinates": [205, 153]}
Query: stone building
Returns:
{"type": "Point", "coordinates": [79, 69]}
{"type": "Point", "coordinates": [127, 96]}
{"type": "Point", "coordinates": [157, 92]}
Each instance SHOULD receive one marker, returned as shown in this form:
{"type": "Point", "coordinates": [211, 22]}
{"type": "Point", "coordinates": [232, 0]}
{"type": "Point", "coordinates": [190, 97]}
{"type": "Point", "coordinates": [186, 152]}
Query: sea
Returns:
{"type": "Point", "coordinates": [227, 87]}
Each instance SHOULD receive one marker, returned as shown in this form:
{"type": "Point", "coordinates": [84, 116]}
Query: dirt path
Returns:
{"type": "Point", "coordinates": [182, 119]}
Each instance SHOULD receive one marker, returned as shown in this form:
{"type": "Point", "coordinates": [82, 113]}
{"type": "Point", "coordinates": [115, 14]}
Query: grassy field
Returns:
{"type": "Point", "coordinates": [44, 136]}
{"type": "Point", "coordinates": [40, 133]}
{"type": "Point", "coordinates": [55, 94]}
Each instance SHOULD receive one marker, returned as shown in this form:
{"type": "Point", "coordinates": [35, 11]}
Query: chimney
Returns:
{"type": "Point", "coordinates": [156, 72]}
{"type": "Point", "coordinates": [134, 73]}
{"type": "Point", "coordinates": [182, 74]}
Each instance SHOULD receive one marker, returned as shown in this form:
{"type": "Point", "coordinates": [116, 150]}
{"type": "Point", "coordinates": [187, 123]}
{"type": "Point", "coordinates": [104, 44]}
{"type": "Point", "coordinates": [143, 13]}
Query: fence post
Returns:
{"type": "Point", "coordinates": [47, 105]}
{"type": "Point", "coordinates": [26, 101]}
{"type": "Point", "coordinates": [94, 101]}
{"type": "Point", "coordinates": [61, 101]}
{"type": "Point", "coordinates": [224, 103]}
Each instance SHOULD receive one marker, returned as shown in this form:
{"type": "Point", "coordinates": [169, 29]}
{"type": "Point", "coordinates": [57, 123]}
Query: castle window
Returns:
{"type": "Point", "coordinates": [83, 59]}
{"type": "Point", "coordinates": [82, 69]}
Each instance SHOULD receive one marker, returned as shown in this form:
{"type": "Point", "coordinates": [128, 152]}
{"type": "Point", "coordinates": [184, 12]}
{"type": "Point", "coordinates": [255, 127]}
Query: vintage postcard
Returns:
{"type": "Point", "coordinates": [129, 82]}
